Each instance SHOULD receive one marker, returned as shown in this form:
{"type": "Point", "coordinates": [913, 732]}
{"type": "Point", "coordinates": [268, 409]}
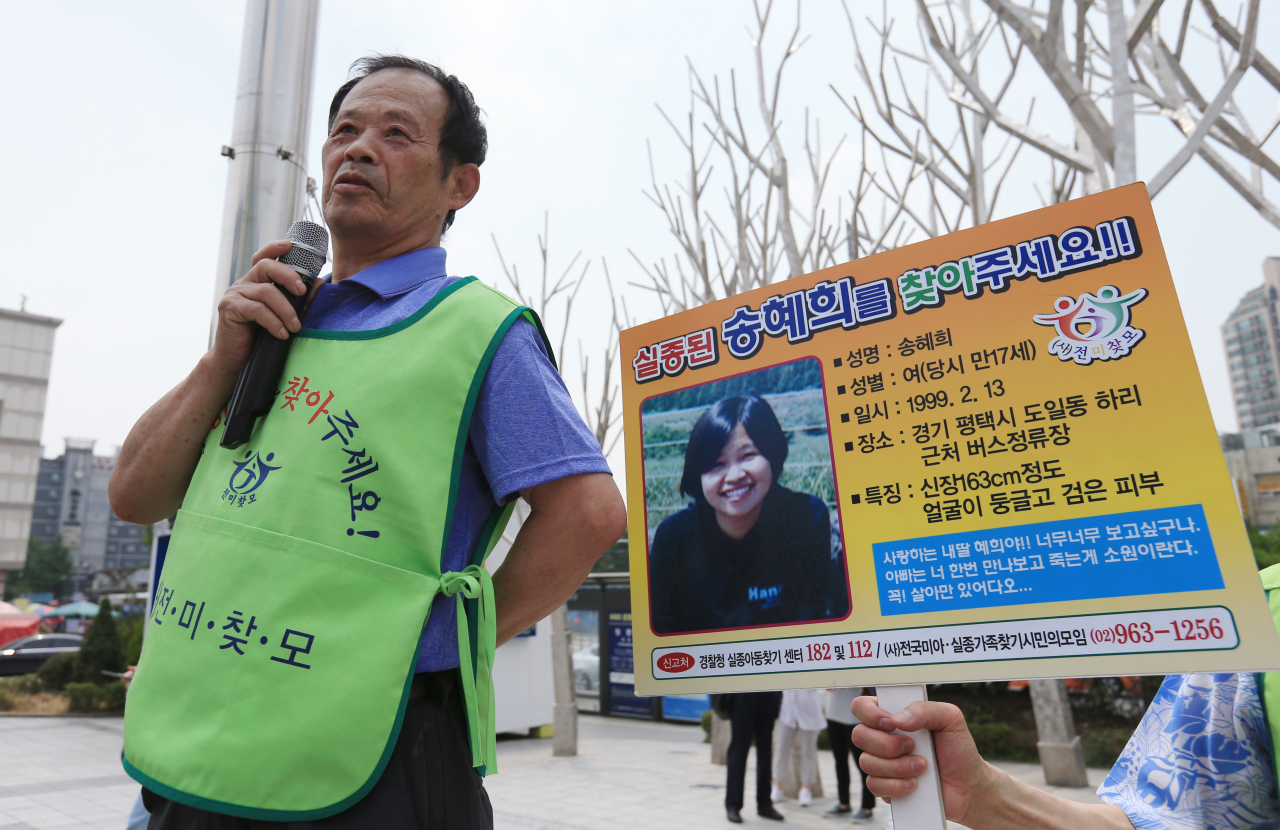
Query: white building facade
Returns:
{"type": "Point", "coordinates": [26, 356]}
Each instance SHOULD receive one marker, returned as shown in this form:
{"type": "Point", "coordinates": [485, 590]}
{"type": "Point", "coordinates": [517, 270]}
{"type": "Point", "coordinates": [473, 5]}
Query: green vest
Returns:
{"type": "Point", "coordinates": [284, 634]}
{"type": "Point", "coordinates": [1269, 682]}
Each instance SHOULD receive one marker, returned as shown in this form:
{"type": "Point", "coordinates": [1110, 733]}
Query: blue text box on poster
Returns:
{"type": "Point", "coordinates": [1160, 551]}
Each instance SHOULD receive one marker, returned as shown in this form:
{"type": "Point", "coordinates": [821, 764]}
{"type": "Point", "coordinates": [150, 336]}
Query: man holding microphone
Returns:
{"type": "Point", "coordinates": [443, 406]}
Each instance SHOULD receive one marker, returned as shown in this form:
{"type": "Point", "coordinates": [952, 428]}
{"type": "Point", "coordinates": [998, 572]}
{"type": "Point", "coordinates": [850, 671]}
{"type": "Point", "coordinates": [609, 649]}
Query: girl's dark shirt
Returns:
{"type": "Point", "coordinates": [782, 571]}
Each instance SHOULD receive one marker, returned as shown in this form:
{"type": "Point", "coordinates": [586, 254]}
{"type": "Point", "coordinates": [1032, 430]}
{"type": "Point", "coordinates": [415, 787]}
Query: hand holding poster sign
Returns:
{"type": "Point", "coordinates": [980, 457]}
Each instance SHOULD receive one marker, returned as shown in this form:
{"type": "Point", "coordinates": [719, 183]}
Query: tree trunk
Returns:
{"type": "Point", "coordinates": [1061, 753]}
{"type": "Point", "coordinates": [1125, 163]}
{"type": "Point", "coordinates": [565, 720]}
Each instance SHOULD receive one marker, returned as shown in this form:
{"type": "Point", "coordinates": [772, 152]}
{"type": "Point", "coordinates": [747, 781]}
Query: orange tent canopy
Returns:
{"type": "Point", "coordinates": [16, 626]}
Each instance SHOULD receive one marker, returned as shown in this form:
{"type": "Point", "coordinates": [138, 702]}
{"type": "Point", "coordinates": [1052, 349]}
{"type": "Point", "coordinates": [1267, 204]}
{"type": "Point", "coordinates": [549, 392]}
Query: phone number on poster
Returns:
{"type": "Point", "coordinates": [1141, 632]}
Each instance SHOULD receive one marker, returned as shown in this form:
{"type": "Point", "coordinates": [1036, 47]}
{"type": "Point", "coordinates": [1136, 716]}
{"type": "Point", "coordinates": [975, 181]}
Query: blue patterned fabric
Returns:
{"type": "Point", "coordinates": [1200, 760]}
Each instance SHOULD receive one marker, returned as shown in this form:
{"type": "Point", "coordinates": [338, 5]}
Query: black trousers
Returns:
{"type": "Point", "coordinates": [753, 716]}
{"type": "Point", "coordinates": [428, 783]}
{"type": "Point", "coordinates": [841, 737]}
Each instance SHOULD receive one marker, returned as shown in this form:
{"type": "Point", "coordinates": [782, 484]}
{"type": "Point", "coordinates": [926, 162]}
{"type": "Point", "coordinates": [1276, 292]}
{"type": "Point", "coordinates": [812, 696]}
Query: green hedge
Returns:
{"type": "Point", "coordinates": [58, 671]}
{"type": "Point", "coordinates": [93, 698]}
{"type": "Point", "coordinates": [1103, 746]}
{"type": "Point", "coordinates": [1000, 741]}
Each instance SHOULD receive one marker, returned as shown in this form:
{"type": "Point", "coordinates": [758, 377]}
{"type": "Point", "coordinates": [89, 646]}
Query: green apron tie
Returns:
{"type": "Point", "coordinates": [474, 582]}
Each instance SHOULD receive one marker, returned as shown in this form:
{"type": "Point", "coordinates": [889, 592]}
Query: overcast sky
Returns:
{"type": "Point", "coordinates": [115, 113]}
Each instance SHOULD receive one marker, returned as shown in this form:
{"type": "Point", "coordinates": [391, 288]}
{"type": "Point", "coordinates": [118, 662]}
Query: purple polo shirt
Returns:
{"type": "Point", "coordinates": [524, 430]}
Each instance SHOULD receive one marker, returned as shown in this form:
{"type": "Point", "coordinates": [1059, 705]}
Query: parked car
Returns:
{"type": "Point", "coordinates": [28, 654]}
{"type": "Point", "coordinates": [586, 669]}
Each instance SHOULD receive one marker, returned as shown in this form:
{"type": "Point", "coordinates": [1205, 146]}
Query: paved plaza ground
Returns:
{"type": "Point", "coordinates": [65, 772]}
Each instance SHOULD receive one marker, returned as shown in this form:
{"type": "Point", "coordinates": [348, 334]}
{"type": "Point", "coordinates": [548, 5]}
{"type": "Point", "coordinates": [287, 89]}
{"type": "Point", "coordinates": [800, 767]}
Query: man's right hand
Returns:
{"type": "Point", "coordinates": [253, 299]}
{"type": "Point", "coordinates": [161, 452]}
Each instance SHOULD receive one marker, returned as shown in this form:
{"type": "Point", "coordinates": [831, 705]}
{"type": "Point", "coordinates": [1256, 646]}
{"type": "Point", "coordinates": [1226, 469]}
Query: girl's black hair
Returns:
{"type": "Point", "coordinates": [711, 433]}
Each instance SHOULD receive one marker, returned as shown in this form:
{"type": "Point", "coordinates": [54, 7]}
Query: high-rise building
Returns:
{"type": "Point", "coordinates": [71, 504]}
{"type": "Point", "coordinates": [1251, 336]}
{"type": "Point", "coordinates": [26, 354]}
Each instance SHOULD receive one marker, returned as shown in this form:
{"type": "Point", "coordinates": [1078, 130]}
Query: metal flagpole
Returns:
{"type": "Point", "coordinates": [267, 156]}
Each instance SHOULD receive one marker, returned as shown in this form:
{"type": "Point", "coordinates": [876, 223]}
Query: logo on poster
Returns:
{"type": "Point", "coordinates": [1093, 327]}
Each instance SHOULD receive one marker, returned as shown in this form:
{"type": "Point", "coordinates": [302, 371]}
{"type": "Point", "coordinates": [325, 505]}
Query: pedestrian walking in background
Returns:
{"type": "Point", "coordinates": [840, 723]}
{"type": "Point", "coordinates": [751, 716]}
{"type": "Point", "coordinates": [800, 719]}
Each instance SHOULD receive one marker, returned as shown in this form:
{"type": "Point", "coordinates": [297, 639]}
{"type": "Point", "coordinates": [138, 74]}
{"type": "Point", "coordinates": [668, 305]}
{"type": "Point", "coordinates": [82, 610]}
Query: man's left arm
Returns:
{"type": "Point", "coordinates": [573, 521]}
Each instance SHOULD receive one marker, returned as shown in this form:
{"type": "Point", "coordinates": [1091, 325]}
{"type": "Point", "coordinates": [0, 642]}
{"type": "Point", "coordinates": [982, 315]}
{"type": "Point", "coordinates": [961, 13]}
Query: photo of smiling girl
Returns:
{"type": "Point", "coordinates": [747, 551]}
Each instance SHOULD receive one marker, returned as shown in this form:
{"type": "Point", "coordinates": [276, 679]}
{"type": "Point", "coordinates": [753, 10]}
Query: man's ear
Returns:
{"type": "Point", "coordinates": [464, 180]}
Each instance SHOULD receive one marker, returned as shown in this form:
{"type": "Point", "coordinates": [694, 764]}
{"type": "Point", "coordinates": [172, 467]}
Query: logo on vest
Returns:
{"type": "Point", "coordinates": [1093, 327]}
{"type": "Point", "coordinates": [248, 475]}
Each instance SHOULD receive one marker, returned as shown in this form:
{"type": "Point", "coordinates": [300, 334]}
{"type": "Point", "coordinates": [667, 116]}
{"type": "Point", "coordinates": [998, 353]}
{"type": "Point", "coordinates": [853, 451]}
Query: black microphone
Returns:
{"type": "Point", "coordinates": [260, 379]}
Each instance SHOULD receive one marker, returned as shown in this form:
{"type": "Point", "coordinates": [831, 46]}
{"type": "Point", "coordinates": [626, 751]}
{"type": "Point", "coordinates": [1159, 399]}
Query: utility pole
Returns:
{"type": "Point", "coordinates": [267, 156]}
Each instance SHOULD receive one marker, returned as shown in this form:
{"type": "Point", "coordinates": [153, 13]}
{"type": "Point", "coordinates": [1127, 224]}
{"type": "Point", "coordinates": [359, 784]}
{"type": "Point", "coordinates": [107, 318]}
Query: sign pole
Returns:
{"type": "Point", "coordinates": [923, 808]}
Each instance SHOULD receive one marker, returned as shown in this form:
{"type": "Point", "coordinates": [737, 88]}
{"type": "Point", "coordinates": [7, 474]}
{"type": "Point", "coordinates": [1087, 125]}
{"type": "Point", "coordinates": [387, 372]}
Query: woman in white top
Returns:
{"type": "Point", "coordinates": [802, 717]}
{"type": "Point", "coordinates": [840, 723]}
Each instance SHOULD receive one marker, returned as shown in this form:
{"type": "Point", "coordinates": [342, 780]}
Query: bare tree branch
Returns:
{"type": "Point", "coordinates": [1211, 113]}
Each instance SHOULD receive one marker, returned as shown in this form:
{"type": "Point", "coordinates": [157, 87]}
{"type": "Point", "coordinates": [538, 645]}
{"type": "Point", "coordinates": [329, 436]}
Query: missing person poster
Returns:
{"type": "Point", "coordinates": [980, 457]}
